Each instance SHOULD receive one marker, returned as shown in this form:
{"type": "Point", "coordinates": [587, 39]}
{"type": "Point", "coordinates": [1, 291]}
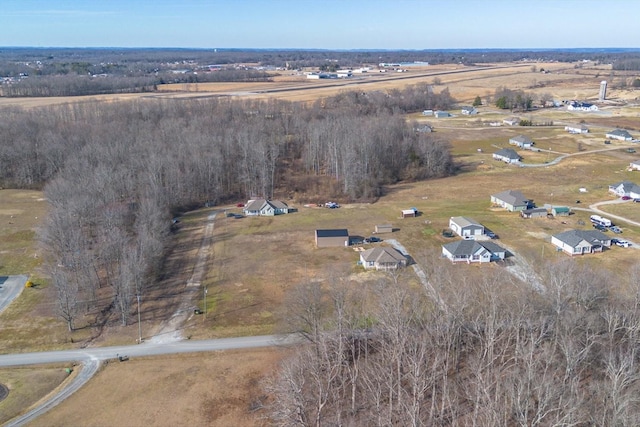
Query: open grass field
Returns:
{"type": "Point", "coordinates": [255, 262]}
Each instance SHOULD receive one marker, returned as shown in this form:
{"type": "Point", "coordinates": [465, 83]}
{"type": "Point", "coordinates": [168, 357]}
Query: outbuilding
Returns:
{"type": "Point", "coordinates": [383, 228]}
{"type": "Point", "coordinates": [332, 238]}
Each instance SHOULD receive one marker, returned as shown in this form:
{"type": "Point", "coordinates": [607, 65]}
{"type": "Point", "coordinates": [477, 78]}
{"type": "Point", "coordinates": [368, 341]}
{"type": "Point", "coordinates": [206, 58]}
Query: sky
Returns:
{"type": "Point", "coordinates": [321, 24]}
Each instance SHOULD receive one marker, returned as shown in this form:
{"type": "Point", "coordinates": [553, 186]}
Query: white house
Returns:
{"type": "Point", "coordinates": [469, 111]}
{"type": "Point", "coordinates": [522, 141]}
{"type": "Point", "coordinates": [507, 155]}
{"type": "Point", "coordinates": [625, 188]}
{"type": "Point", "coordinates": [635, 165]}
{"type": "Point", "coordinates": [511, 121]}
{"type": "Point", "coordinates": [262, 207]}
{"type": "Point", "coordinates": [579, 242]}
{"type": "Point", "coordinates": [441, 114]}
{"type": "Point", "coordinates": [511, 200]}
{"type": "Point", "coordinates": [619, 134]}
{"type": "Point", "coordinates": [382, 258]}
{"type": "Point", "coordinates": [465, 227]}
{"type": "Point", "coordinates": [576, 129]}
{"type": "Point", "coordinates": [473, 251]}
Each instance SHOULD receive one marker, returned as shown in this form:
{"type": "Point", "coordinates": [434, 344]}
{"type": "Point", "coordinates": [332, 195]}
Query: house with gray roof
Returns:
{"type": "Point", "coordinates": [263, 207]}
{"type": "Point", "coordinates": [579, 242]}
{"type": "Point", "coordinates": [511, 200]}
{"type": "Point", "coordinates": [507, 155]}
{"type": "Point", "coordinates": [619, 134]}
{"type": "Point", "coordinates": [522, 141]}
{"type": "Point", "coordinates": [625, 188]}
{"type": "Point", "coordinates": [534, 213]}
{"type": "Point", "coordinates": [465, 227]}
{"type": "Point", "coordinates": [468, 111]}
{"type": "Point", "coordinates": [635, 165]}
{"type": "Point", "coordinates": [473, 251]}
{"type": "Point", "coordinates": [382, 258]}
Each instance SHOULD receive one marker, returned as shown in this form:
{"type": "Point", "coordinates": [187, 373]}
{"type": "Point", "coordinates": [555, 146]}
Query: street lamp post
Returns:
{"type": "Point", "coordinates": [139, 327]}
{"type": "Point", "coordinates": [204, 300]}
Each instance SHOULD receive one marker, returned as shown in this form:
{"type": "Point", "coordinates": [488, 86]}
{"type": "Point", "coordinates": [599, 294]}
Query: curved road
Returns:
{"type": "Point", "coordinates": [594, 208]}
{"type": "Point", "coordinates": [91, 358]}
{"type": "Point", "coordinates": [10, 288]}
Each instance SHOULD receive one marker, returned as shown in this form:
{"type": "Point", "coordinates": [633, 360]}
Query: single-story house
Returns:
{"type": "Point", "coordinates": [619, 134]}
{"type": "Point", "coordinates": [560, 211]}
{"type": "Point", "coordinates": [427, 112]}
{"type": "Point", "coordinates": [511, 121]}
{"type": "Point", "coordinates": [511, 200]}
{"type": "Point", "coordinates": [473, 251]}
{"type": "Point", "coordinates": [465, 227]}
{"type": "Point", "coordinates": [522, 141]}
{"type": "Point", "coordinates": [534, 213]}
{"type": "Point", "coordinates": [383, 228]}
{"type": "Point", "coordinates": [332, 238]}
{"type": "Point", "coordinates": [441, 114]}
{"type": "Point", "coordinates": [578, 242]}
{"type": "Point", "coordinates": [382, 258]}
{"type": "Point", "coordinates": [635, 165]}
{"type": "Point", "coordinates": [625, 188]}
{"type": "Point", "coordinates": [424, 128]}
{"type": "Point", "coordinates": [262, 207]}
{"type": "Point", "coordinates": [581, 106]}
{"type": "Point", "coordinates": [576, 129]}
{"type": "Point", "coordinates": [468, 111]}
{"type": "Point", "coordinates": [507, 155]}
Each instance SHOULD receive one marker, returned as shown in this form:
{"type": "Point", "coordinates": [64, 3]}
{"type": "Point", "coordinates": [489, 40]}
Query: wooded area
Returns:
{"type": "Point", "coordinates": [115, 175]}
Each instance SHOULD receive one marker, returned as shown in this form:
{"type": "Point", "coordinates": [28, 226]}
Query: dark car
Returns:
{"type": "Point", "coordinates": [599, 227]}
{"type": "Point", "coordinates": [374, 239]}
{"type": "Point", "coordinates": [625, 198]}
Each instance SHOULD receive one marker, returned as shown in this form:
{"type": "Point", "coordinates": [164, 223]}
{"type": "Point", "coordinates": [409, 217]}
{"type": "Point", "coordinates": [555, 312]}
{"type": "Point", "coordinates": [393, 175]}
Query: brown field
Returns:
{"type": "Point", "coordinates": [256, 261]}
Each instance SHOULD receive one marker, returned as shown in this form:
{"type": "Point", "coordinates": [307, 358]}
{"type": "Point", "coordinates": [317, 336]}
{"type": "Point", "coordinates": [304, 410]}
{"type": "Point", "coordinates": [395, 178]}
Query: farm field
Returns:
{"type": "Point", "coordinates": [256, 262]}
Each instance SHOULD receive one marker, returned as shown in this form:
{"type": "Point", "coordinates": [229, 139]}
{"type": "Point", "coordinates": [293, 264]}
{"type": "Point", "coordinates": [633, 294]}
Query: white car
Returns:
{"type": "Point", "coordinates": [623, 243]}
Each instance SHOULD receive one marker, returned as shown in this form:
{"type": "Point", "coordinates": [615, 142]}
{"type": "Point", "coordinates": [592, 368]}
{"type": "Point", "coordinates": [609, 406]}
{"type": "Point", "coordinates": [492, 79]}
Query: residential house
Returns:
{"type": "Point", "coordinates": [560, 211]}
{"type": "Point", "coordinates": [507, 155]}
{"type": "Point", "coordinates": [441, 114]}
{"type": "Point", "coordinates": [534, 213]}
{"type": "Point", "coordinates": [262, 207]}
{"type": "Point", "coordinates": [619, 134]}
{"type": "Point", "coordinates": [427, 112]}
{"type": "Point", "coordinates": [635, 165]}
{"type": "Point", "coordinates": [511, 121]}
{"type": "Point", "coordinates": [332, 238]}
{"type": "Point", "coordinates": [382, 258]}
{"type": "Point", "coordinates": [511, 200]}
{"type": "Point", "coordinates": [384, 228]}
{"type": "Point", "coordinates": [469, 111]}
{"type": "Point", "coordinates": [581, 106]}
{"type": "Point", "coordinates": [522, 141]}
{"type": "Point", "coordinates": [424, 128]}
{"type": "Point", "coordinates": [579, 242]}
{"type": "Point", "coordinates": [625, 188]}
{"type": "Point", "coordinates": [465, 227]}
{"type": "Point", "coordinates": [576, 129]}
{"type": "Point", "coordinates": [473, 251]}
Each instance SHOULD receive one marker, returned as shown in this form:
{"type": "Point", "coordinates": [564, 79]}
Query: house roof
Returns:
{"type": "Point", "coordinates": [258, 204]}
{"type": "Point", "coordinates": [465, 222]}
{"type": "Point", "coordinates": [574, 237]}
{"type": "Point", "coordinates": [523, 139]}
{"type": "Point", "coordinates": [508, 153]}
{"type": "Point", "coordinates": [512, 197]}
{"type": "Point", "coordinates": [382, 255]}
{"type": "Point", "coordinates": [635, 162]}
{"type": "Point", "coordinates": [620, 132]}
{"type": "Point", "coordinates": [467, 108]}
{"type": "Point", "coordinates": [470, 247]}
{"type": "Point", "coordinates": [534, 210]}
{"type": "Point", "coordinates": [341, 232]}
{"type": "Point", "coordinates": [627, 186]}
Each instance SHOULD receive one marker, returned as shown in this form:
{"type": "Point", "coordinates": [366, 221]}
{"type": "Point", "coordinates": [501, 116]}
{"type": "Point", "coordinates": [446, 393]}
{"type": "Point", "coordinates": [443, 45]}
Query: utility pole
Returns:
{"type": "Point", "coordinates": [139, 327]}
{"type": "Point", "coordinates": [204, 300]}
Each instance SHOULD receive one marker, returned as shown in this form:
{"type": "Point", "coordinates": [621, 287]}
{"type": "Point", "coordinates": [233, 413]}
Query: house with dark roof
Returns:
{"type": "Point", "coordinates": [466, 227]}
{"type": "Point", "coordinates": [619, 134]}
{"type": "Point", "coordinates": [473, 251]}
{"type": "Point", "coordinates": [262, 207]}
{"type": "Point", "coordinates": [625, 188]}
{"type": "Point", "coordinates": [579, 242]}
{"type": "Point", "coordinates": [507, 155]}
{"type": "Point", "coordinates": [382, 258]}
{"type": "Point", "coordinates": [332, 238]}
{"type": "Point", "coordinates": [511, 200]}
{"type": "Point", "coordinates": [522, 141]}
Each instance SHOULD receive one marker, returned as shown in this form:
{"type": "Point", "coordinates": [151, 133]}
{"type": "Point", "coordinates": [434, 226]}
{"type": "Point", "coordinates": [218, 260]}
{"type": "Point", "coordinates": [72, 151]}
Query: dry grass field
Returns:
{"type": "Point", "coordinates": [255, 262]}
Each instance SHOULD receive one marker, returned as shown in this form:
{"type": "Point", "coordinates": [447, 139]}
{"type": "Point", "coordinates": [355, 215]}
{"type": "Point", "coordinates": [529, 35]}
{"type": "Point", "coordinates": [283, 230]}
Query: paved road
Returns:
{"type": "Point", "coordinates": [595, 208]}
{"type": "Point", "coordinates": [91, 358]}
{"type": "Point", "coordinates": [10, 288]}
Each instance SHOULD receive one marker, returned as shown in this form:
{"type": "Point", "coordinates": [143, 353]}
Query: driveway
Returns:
{"type": "Point", "coordinates": [595, 208]}
{"type": "Point", "coordinates": [10, 288]}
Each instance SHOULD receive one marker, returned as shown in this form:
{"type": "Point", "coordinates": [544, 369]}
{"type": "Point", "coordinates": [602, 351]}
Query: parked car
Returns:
{"type": "Point", "coordinates": [606, 141]}
{"type": "Point", "coordinates": [491, 235]}
{"type": "Point", "coordinates": [331, 205]}
{"type": "Point", "coordinates": [240, 205]}
{"type": "Point", "coordinates": [622, 243]}
{"type": "Point", "coordinates": [625, 198]}
{"type": "Point", "coordinates": [374, 239]}
{"type": "Point", "coordinates": [615, 229]}
{"type": "Point", "coordinates": [636, 200]}
{"type": "Point", "coordinates": [599, 227]}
